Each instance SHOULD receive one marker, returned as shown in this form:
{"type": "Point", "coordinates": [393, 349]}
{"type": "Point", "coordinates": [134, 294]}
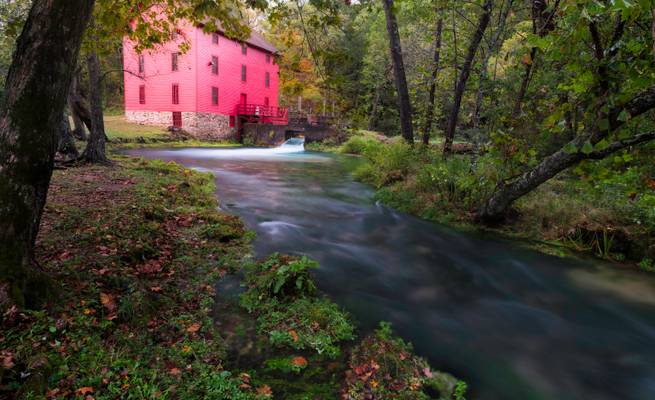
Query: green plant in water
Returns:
{"type": "Point", "coordinates": [647, 265]}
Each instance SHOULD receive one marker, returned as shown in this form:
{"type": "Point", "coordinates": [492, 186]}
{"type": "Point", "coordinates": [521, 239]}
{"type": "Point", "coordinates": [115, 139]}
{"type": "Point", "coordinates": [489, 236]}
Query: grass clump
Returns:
{"type": "Point", "coordinates": [384, 367]}
{"type": "Point", "coordinates": [283, 296]}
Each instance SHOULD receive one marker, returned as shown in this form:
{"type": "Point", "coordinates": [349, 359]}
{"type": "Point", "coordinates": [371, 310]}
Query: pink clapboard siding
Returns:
{"type": "Point", "coordinates": [195, 78]}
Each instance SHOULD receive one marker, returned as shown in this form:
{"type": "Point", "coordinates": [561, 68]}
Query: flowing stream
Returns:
{"type": "Point", "coordinates": [513, 323]}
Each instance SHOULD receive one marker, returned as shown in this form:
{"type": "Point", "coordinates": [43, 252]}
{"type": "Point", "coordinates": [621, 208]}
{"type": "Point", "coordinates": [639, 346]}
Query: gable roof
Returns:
{"type": "Point", "coordinates": [256, 39]}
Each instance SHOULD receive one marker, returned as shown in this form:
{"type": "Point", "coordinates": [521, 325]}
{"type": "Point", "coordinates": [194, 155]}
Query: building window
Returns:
{"type": "Point", "coordinates": [215, 96]}
{"type": "Point", "coordinates": [174, 58]}
{"type": "Point", "coordinates": [142, 94]}
{"type": "Point", "coordinates": [266, 102]}
{"type": "Point", "coordinates": [268, 58]}
{"type": "Point", "coordinates": [244, 49]}
{"type": "Point", "coordinates": [142, 63]}
{"type": "Point", "coordinates": [215, 37]}
{"type": "Point", "coordinates": [177, 119]}
{"type": "Point", "coordinates": [243, 73]}
{"type": "Point", "coordinates": [267, 80]}
{"type": "Point", "coordinates": [176, 93]}
{"type": "Point", "coordinates": [214, 65]}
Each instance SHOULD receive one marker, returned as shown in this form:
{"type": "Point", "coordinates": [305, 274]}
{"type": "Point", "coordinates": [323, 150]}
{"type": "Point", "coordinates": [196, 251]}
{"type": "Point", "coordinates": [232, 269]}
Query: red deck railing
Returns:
{"type": "Point", "coordinates": [263, 114]}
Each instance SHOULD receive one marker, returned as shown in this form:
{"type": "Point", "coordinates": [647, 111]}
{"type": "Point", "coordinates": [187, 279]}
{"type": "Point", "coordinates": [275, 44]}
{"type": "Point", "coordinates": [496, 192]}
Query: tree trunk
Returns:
{"type": "Point", "coordinates": [496, 207]}
{"type": "Point", "coordinates": [542, 24]}
{"type": "Point", "coordinates": [95, 147]}
{"type": "Point", "coordinates": [404, 104]}
{"type": "Point", "coordinates": [484, 70]}
{"type": "Point", "coordinates": [429, 112]}
{"type": "Point", "coordinates": [374, 110]}
{"type": "Point", "coordinates": [464, 76]}
{"type": "Point", "coordinates": [66, 145]}
{"type": "Point", "coordinates": [78, 125]}
{"type": "Point", "coordinates": [36, 90]}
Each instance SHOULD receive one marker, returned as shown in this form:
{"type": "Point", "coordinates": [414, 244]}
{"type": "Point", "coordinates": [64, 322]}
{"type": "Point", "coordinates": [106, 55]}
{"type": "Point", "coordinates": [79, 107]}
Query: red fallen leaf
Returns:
{"type": "Point", "coordinates": [155, 289]}
{"type": "Point", "coordinates": [427, 372]}
{"type": "Point", "coordinates": [108, 302]}
{"type": "Point", "coordinates": [359, 370]}
{"type": "Point", "coordinates": [84, 391]}
{"type": "Point", "coordinates": [193, 328]}
{"type": "Point", "coordinates": [294, 335]}
{"type": "Point", "coordinates": [150, 267]}
{"type": "Point", "coordinates": [65, 255]}
{"type": "Point", "coordinates": [8, 361]}
{"type": "Point", "coordinates": [175, 371]}
{"type": "Point", "coordinates": [299, 361]}
{"type": "Point", "coordinates": [52, 393]}
{"type": "Point", "coordinates": [265, 391]}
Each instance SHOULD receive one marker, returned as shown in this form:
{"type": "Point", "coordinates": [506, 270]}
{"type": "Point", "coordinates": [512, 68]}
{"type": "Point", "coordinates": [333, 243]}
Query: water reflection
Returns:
{"type": "Point", "coordinates": [514, 323]}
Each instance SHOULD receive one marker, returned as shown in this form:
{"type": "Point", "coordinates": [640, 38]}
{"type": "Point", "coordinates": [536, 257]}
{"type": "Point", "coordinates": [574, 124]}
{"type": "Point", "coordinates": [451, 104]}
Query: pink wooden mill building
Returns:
{"type": "Point", "coordinates": [211, 90]}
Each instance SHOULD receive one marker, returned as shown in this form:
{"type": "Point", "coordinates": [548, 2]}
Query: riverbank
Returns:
{"type": "Point", "coordinates": [135, 250]}
{"type": "Point", "coordinates": [579, 213]}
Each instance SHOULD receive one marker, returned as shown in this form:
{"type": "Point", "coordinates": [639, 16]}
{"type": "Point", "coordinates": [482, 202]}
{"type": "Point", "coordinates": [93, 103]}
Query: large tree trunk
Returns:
{"type": "Point", "coordinates": [496, 207]}
{"type": "Point", "coordinates": [429, 111]}
{"type": "Point", "coordinates": [95, 146]}
{"type": "Point", "coordinates": [36, 90]}
{"type": "Point", "coordinates": [404, 104]}
{"type": "Point", "coordinates": [464, 75]}
{"type": "Point", "coordinates": [66, 146]}
{"type": "Point", "coordinates": [494, 45]}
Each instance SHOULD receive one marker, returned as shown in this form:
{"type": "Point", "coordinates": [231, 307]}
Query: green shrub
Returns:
{"type": "Point", "coordinates": [386, 163]}
{"type": "Point", "coordinates": [279, 276]}
{"type": "Point", "coordinates": [282, 293]}
{"type": "Point", "coordinates": [359, 145]}
{"type": "Point", "coordinates": [307, 323]}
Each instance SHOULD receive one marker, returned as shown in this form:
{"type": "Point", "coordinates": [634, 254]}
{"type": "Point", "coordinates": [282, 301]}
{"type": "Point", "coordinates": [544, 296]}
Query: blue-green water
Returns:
{"type": "Point", "coordinates": [513, 323]}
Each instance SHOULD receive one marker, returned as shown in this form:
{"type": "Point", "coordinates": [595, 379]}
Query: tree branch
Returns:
{"type": "Point", "coordinates": [620, 144]}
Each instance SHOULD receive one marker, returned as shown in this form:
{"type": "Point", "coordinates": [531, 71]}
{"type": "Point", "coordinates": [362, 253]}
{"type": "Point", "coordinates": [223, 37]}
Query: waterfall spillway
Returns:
{"type": "Point", "coordinates": [293, 145]}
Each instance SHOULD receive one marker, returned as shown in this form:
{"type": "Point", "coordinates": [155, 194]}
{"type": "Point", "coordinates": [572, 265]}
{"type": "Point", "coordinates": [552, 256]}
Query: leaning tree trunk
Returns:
{"type": "Point", "coordinates": [496, 207]}
{"type": "Point", "coordinates": [404, 104]}
{"type": "Point", "coordinates": [464, 76]}
{"type": "Point", "coordinates": [66, 146]}
{"type": "Point", "coordinates": [95, 147]}
{"type": "Point", "coordinates": [429, 112]}
{"type": "Point", "coordinates": [36, 90]}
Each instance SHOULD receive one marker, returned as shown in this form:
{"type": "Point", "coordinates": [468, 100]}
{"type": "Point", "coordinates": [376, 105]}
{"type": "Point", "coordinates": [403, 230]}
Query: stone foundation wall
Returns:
{"type": "Point", "coordinates": [208, 126]}
{"type": "Point", "coordinates": [155, 118]}
{"type": "Point", "coordinates": [204, 126]}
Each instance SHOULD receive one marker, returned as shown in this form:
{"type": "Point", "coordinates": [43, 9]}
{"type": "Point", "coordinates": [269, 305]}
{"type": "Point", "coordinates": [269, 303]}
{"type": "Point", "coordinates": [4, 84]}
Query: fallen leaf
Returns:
{"type": "Point", "coordinates": [193, 328]}
{"type": "Point", "coordinates": [8, 362]}
{"type": "Point", "coordinates": [156, 289]}
{"type": "Point", "coordinates": [265, 391]}
{"type": "Point", "coordinates": [427, 372]}
{"type": "Point", "coordinates": [108, 302]}
{"type": "Point", "coordinates": [299, 361]}
{"type": "Point", "coordinates": [84, 391]}
{"type": "Point", "coordinates": [175, 371]}
{"type": "Point", "coordinates": [294, 335]}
